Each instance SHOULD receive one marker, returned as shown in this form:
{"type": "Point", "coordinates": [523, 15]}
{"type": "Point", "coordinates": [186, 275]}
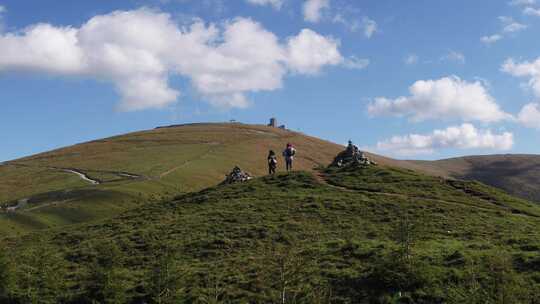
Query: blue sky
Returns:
{"type": "Point", "coordinates": [408, 79]}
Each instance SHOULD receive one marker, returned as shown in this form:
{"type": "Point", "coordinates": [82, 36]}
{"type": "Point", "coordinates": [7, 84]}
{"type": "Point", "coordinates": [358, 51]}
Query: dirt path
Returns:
{"type": "Point", "coordinates": [81, 174]}
{"type": "Point", "coordinates": [55, 203]}
{"type": "Point", "coordinates": [186, 163]}
{"type": "Point", "coordinates": [319, 176]}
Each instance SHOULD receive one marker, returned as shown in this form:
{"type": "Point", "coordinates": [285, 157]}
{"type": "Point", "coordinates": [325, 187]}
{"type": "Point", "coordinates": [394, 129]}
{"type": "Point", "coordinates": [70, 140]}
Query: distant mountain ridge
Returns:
{"type": "Point", "coordinates": [517, 174]}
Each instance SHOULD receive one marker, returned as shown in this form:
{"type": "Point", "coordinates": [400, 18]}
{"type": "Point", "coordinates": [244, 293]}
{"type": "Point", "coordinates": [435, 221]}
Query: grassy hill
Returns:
{"type": "Point", "coordinates": [136, 168]}
{"type": "Point", "coordinates": [356, 235]}
{"type": "Point", "coordinates": [517, 174]}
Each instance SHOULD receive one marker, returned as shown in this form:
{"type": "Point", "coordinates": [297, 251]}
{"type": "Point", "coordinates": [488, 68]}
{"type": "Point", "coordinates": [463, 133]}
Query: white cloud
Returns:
{"type": "Point", "coordinates": [510, 25]}
{"type": "Point", "coordinates": [525, 69]}
{"type": "Point", "coordinates": [313, 9]}
{"type": "Point", "coordinates": [445, 98]}
{"type": "Point", "coordinates": [454, 56]}
{"type": "Point", "coordinates": [277, 4]}
{"type": "Point", "coordinates": [353, 24]}
{"type": "Point", "coordinates": [491, 39]}
{"type": "Point", "coordinates": [309, 51]}
{"type": "Point", "coordinates": [531, 11]}
{"type": "Point", "coordinates": [43, 47]}
{"type": "Point", "coordinates": [521, 2]}
{"type": "Point", "coordinates": [529, 116]}
{"type": "Point", "coordinates": [465, 136]}
{"type": "Point", "coordinates": [370, 27]}
{"type": "Point", "coordinates": [2, 9]}
{"type": "Point", "coordinates": [138, 51]}
{"type": "Point", "coordinates": [356, 63]}
{"type": "Point", "coordinates": [411, 59]}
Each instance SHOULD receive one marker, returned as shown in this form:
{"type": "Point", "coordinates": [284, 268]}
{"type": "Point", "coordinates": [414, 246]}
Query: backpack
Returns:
{"type": "Point", "coordinates": [289, 152]}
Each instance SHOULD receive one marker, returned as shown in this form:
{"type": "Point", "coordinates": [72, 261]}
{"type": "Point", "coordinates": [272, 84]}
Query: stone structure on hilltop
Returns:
{"type": "Point", "coordinates": [237, 176]}
{"type": "Point", "coordinates": [352, 156]}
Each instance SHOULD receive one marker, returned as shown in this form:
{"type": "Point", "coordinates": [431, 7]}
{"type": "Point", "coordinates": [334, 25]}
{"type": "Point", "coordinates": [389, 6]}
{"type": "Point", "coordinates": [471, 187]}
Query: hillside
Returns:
{"type": "Point", "coordinates": [355, 235]}
{"type": "Point", "coordinates": [101, 178]}
{"type": "Point", "coordinates": [517, 174]}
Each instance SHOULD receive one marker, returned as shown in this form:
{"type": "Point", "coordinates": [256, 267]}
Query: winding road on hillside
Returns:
{"type": "Point", "coordinates": [82, 173]}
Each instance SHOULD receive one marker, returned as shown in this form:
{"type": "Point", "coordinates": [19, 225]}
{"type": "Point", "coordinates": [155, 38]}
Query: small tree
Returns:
{"type": "Point", "coordinates": [405, 234]}
{"type": "Point", "coordinates": [399, 271]}
{"type": "Point", "coordinates": [288, 276]}
{"type": "Point", "coordinates": [167, 280]}
{"type": "Point", "coordinates": [469, 289]}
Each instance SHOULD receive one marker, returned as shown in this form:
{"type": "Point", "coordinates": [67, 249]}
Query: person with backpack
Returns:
{"type": "Point", "coordinates": [272, 162]}
{"type": "Point", "coordinates": [289, 154]}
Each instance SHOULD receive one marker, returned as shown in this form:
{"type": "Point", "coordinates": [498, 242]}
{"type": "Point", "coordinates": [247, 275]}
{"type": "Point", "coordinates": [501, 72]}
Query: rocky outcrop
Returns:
{"type": "Point", "coordinates": [352, 156]}
{"type": "Point", "coordinates": [237, 176]}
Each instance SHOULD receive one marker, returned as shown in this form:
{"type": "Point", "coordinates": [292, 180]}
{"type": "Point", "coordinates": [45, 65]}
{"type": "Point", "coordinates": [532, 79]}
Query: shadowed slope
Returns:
{"type": "Point", "coordinates": [517, 174]}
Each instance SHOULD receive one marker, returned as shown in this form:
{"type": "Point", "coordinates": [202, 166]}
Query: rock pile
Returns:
{"type": "Point", "coordinates": [237, 176]}
{"type": "Point", "coordinates": [352, 156]}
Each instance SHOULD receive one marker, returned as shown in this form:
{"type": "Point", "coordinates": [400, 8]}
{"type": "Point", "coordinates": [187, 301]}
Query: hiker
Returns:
{"type": "Point", "coordinates": [272, 162]}
{"type": "Point", "coordinates": [350, 147]}
{"type": "Point", "coordinates": [289, 153]}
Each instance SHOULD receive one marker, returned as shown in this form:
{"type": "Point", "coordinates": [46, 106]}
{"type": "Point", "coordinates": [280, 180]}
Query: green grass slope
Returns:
{"type": "Point", "coordinates": [139, 167]}
{"type": "Point", "coordinates": [356, 235]}
{"type": "Point", "coordinates": [514, 173]}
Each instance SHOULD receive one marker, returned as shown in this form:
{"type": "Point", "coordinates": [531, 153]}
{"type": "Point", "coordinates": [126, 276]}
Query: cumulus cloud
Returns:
{"type": "Point", "coordinates": [465, 136]}
{"type": "Point", "coordinates": [491, 39]}
{"type": "Point", "coordinates": [370, 27]}
{"type": "Point", "coordinates": [274, 3]}
{"type": "Point", "coordinates": [454, 56]}
{"type": "Point", "coordinates": [355, 63]}
{"type": "Point", "coordinates": [309, 51]}
{"type": "Point", "coordinates": [531, 11]}
{"type": "Point", "coordinates": [139, 50]}
{"type": "Point", "coordinates": [509, 26]}
{"type": "Point", "coordinates": [529, 116]}
{"type": "Point", "coordinates": [43, 47]}
{"type": "Point", "coordinates": [530, 70]}
{"type": "Point", "coordinates": [313, 9]}
{"type": "Point", "coordinates": [354, 24]}
{"type": "Point", "coordinates": [445, 98]}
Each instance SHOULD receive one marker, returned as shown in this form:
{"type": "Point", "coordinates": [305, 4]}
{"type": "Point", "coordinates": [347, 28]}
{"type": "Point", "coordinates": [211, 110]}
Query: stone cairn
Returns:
{"type": "Point", "coordinates": [352, 156]}
{"type": "Point", "coordinates": [237, 176]}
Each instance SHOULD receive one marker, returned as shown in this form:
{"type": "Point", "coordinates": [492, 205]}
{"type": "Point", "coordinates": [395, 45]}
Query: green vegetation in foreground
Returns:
{"type": "Point", "coordinates": [376, 235]}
